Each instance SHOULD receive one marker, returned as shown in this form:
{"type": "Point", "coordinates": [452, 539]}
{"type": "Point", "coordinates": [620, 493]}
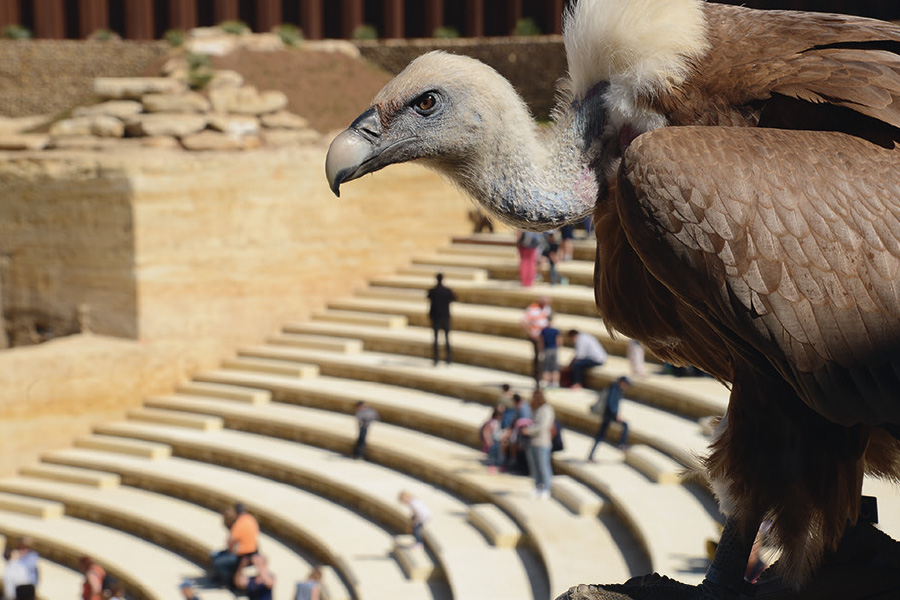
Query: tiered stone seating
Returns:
{"type": "Point", "coordinates": [432, 412]}
{"type": "Point", "coordinates": [358, 549]}
{"type": "Point", "coordinates": [186, 528]}
{"type": "Point", "coordinates": [439, 461]}
{"type": "Point", "coordinates": [148, 571]}
{"type": "Point", "coordinates": [273, 425]}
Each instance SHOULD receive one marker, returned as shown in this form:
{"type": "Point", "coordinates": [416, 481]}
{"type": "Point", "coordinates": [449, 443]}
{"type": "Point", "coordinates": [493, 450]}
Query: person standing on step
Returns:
{"type": "Point", "coordinates": [551, 339]}
{"type": "Point", "coordinates": [540, 444]}
{"type": "Point", "coordinates": [610, 398]}
{"type": "Point", "coordinates": [419, 515]}
{"type": "Point", "coordinates": [20, 578]}
{"type": "Point", "coordinates": [311, 588]}
{"type": "Point", "coordinates": [533, 322]}
{"type": "Point", "coordinates": [365, 416]}
{"type": "Point", "coordinates": [440, 298]}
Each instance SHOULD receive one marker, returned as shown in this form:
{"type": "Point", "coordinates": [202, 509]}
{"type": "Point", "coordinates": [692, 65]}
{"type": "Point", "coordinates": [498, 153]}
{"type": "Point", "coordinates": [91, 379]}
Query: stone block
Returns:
{"type": "Point", "coordinates": [212, 140]}
{"type": "Point", "coordinates": [36, 507]}
{"type": "Point", "coordinates": [284, 120]}
{"type": "Point", "coordinates": [187, 102]}
{"type": "Point", "coordinates": [166, 124]}
{"type": "Point", "coordinates": [247, 100]}
{"type": "Point", "coordinates": [262, 42]}
{"type": "Point", "coordinates": [225, 78]}
{"type": "Point", "coordinates": [135, 87]}
{"type": "Point", "coordinates": [234, 125]}
{"type": "Point", "coordinates": [577, 497]}
{"type": "Point", "coordinates": [219, 45]}
{"type": "Point", "coordinates": [112, 108]}
{"type": "Point", "coordinates": [496, 525]}
{"type": "Point", "coordinates": [289, 137]}
{"type": "Point", "coordinates": [23, 141]}
{"type": "Point", "coordinates": [98, 125]}
{"type": "Point", "coordinates": [164, 142]}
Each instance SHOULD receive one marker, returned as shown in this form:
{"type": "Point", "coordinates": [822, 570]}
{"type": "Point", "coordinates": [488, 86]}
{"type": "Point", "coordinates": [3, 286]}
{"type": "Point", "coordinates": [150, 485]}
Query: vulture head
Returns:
{"type": "Point", "coordinates": [460, 117]}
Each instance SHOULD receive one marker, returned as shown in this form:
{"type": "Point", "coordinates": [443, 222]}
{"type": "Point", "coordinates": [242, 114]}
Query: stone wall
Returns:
{"type": "Point", "coordinates": [534, 65]}
{"type": "Point", "coordinates": [39, 77]}
{"type": "Point", "coordinates": [52, 76]}
{"type": "Point", "coordinates": [185, 256]}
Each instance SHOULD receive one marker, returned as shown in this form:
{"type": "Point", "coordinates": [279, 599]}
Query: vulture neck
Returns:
{"type": "Point", "coordinates": [538, 180]}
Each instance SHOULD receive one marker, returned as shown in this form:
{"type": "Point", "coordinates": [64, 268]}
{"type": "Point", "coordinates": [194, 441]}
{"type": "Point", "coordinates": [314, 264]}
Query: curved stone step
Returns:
{"type": "Point", "coordinates": [176, 525]}
{"type": "Point", "coordinates": [506, 267]}
{"type": "Point", "coordinates": [148, 571]}
{"type": "Point", "coordinates": [569, 299]}
{"type": "Point", "coordinates": [694, 396]}
{"type": "Point", "coordinates": [552, 528]}
{"type": "Point", "coordinates": [653, 532]}
{"type": "Point", "coordinates": [357, 548]}
{"type": "Point", "coordinates": [479, 318]}
{"type": "Point", "coordinates": [367, 488]}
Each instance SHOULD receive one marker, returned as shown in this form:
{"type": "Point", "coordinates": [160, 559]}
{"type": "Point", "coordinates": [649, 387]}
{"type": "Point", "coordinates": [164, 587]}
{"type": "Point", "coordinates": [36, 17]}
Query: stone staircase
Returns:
{"type": "Point", "coordinates": [273, 428]}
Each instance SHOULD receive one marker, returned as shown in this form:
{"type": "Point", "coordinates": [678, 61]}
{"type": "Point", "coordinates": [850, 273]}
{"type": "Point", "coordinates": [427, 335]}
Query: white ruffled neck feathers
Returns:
{"type": "Point", "coordinates": [644, 46]}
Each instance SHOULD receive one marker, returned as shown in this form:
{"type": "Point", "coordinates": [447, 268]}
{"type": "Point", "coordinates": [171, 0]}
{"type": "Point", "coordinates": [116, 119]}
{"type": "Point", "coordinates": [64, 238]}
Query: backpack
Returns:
{"type": "Point", "coordinates": [556, 443]}
{"type": "Point", "coordinates": [530, 239]}
{"type": "Point", "coordinates": [108, 582]}
{"type": "Point", "coordinates": [599, 407]}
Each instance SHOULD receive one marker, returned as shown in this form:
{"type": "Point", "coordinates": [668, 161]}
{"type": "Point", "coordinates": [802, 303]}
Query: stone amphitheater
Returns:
{"type": "Point", "coordinates": [272, 426]}
{"type": "Point", "coordinates": [134, 468]}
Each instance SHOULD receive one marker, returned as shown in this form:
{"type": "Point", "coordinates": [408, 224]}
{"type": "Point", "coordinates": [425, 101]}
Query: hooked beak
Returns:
{"type": "Point", "coordinates": [352, 153]}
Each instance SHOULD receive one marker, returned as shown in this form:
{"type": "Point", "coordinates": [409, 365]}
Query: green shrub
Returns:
{"type": "Point", "coordinates": [527, 26]}
{"type": "Point", "coordinates": [446, 32]}
{"type": "Point", "coordinates": [104, 35]}
{"type": "Point", "coordinates": [365, 32]}
{"type": "Point", "coordinates": [175, 37]}
{"type": "Point", "coordinates": [199, 71]}
{"type": "Point", "coordinates": [234, 27]}
{"type": "Point", "coordinates": [290, 34]}
{"type": "Point", "coordinates": [16, 32]}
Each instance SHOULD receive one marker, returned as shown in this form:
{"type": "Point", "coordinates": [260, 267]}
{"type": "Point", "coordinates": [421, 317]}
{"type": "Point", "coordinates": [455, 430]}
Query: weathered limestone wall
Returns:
{"type": "Point", "coordinates": [54, 392]}
{"type": "Point", "coordinates": [66, 238]}
{"type": "Point", "coordinates": [185, 257]}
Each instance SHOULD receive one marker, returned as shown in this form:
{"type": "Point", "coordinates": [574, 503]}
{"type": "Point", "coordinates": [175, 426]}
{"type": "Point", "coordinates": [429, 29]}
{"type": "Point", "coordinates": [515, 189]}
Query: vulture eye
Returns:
{"type": "Point", "coordinates": [425, 104]}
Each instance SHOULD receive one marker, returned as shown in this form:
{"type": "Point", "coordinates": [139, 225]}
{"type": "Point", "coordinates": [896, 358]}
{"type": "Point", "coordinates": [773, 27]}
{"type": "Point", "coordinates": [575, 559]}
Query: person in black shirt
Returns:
{"type": "Point", "coordinates": [440, 297]}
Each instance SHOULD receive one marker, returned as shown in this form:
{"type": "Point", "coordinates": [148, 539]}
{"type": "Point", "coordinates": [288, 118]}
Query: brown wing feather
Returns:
{"type": "Point", "coordinates": [780, 249]}
{"type": "Point", "coordinates": [788, 240]}
{"type": "Point", "coordinates": [817, 58]}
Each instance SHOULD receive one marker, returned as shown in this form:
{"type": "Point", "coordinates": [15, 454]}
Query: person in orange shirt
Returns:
{"type": "Point", "coordinates": [243, 536]}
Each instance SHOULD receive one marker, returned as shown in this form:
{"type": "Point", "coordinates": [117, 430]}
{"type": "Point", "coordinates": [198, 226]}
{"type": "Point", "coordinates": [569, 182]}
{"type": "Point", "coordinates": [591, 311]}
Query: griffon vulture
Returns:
{"type": "Point", "coordinates": [743, 172]}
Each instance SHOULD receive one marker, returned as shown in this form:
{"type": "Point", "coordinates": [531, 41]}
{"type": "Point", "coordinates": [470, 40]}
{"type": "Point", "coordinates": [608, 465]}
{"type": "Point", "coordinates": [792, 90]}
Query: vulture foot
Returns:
{"type": "Point", "coordinates": [865, 566]}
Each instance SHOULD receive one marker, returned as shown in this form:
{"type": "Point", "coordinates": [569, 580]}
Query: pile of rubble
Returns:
{"type": "Point", "coordinates": [164, 112]}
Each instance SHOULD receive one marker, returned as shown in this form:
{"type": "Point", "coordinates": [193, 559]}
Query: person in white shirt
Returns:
{"type": "Point", "coordinates": [541, 436]}
{"type": "Point", "coordinates": [418, 517]}
{"type": "Point", "coordinates": [588, 353]}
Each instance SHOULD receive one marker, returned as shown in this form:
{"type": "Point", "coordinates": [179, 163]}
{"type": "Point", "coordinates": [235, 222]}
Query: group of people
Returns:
{"type": "Point", "coordinates": [241, 567]}
{"type": "Point", "coordinates": [20, 577]}
{"type": "Point", "coordinates": [537, 322]}
{"type": "Point", "coordinates": [519, 437]}
{"type": "Point", "coordinates": [553, 246]}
